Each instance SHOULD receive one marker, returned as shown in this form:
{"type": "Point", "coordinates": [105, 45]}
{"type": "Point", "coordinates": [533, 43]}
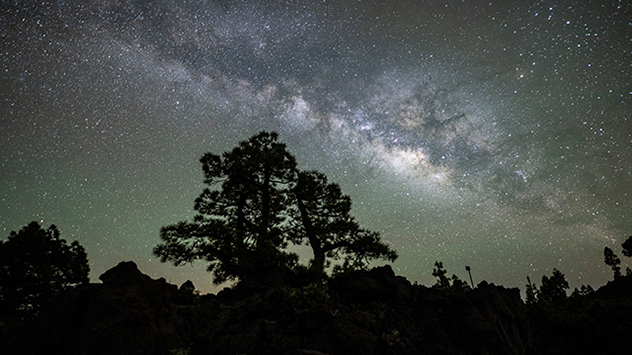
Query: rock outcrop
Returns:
{"type": "Point", "coordinates": [367, 312]}
{"type": "Point", "coordinates": [129, 313]}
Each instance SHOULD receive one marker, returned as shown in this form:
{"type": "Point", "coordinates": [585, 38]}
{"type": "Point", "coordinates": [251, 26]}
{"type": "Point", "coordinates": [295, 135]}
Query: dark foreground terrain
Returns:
{"type": "Point", "coordinates": [369, 312]}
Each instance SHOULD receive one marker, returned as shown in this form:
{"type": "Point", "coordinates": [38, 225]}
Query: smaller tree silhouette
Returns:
{"type": "Point", "coordinates": [440, 273]}
{"type": "Point", "coordinates": [612, 260]}
{"type": "Point", "coordinates": [35, 265]}
{"type": "Point", "coordinates": [532, 292]}
{"type": "Point", "coordinates": [450, 284]}
{"type": "Point", "coordinates": [553, 289]}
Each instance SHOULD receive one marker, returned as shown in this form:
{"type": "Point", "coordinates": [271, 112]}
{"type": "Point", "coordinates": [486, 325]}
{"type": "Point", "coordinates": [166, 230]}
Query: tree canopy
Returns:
{"type": "Point", "coordinates": [611, 259]}
{"type": "Point", "coordinates": [325, 222]}
{"type": "Point", "coordinates": [35, 265]}
{"type": "Point", "coordinates": [257, 203]}
{"type": "Point", "coordinates": [552, 292]}
{"type": "Point", "coordinates": [553, 289]}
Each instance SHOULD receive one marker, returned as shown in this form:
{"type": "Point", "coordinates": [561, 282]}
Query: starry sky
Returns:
{"type": "Point", "coordinates": [493, 134]}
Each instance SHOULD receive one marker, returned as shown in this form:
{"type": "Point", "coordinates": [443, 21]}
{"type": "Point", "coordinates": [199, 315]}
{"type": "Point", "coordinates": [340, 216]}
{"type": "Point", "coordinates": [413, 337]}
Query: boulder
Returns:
{"type": "Point", "coordinates": [378, 283]}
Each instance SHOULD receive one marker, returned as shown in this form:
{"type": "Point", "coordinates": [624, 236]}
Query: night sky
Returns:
{"type": "Point", "coordinates": [494, 134]}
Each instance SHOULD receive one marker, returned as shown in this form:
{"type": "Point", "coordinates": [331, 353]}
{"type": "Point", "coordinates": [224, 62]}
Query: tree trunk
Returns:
{"type": "Point", "coordinates": [318, 263]}
{"type": "Point", "coordinates": [265, 201]}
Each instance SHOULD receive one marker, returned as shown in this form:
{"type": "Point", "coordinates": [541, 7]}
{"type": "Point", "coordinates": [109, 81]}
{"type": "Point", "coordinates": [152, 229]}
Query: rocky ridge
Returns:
{"type": "Point", "coordinates": [369, 312]}
{"type": "Point", "coordinates": [365, 312]}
